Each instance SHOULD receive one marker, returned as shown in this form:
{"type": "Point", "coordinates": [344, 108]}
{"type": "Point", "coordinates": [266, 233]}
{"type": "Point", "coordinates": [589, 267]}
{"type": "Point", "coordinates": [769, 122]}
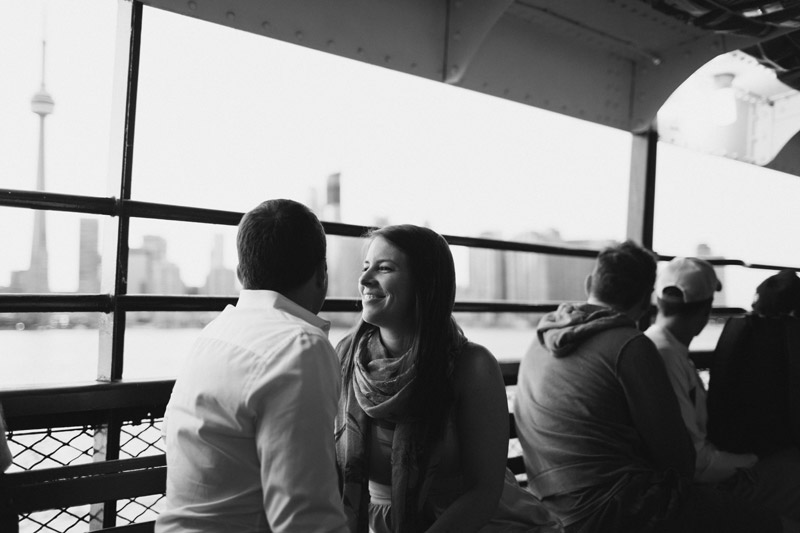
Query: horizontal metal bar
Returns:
{"type": "Point", "coordinates": [516, 246]}
{"type": "Point", "coordinates": [144, 302]}
{"type": "Point", "coordinates": [55, 303]}
{"type": "Point", "coordinates": [103, 303]}
{"type": "Point", "coordinates": [137, 209]}
{"type": "Point", "coordinates": [736, 262]}
{"type": "Point", "coordinates": [58, 202]}
{"type": "Point", "coordinates": [134, 209]}
{"type": "Point", "coordinates": [503, 307]}
{"type": "Point", "coordinates": [345, 230]}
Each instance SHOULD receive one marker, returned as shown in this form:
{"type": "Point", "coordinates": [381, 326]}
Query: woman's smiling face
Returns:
{"type": "Point", "coordinates": [387, 288]}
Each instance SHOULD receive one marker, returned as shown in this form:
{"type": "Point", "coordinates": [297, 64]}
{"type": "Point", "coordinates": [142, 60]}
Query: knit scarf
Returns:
{"type": "Point", "coordinates": [376, 386]}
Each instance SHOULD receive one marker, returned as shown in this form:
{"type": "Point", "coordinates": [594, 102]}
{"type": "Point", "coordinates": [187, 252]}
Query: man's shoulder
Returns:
{"type": "Point", "coordinates": [265, 331]}
{"type": "Point", "coordinates": [620, 338]}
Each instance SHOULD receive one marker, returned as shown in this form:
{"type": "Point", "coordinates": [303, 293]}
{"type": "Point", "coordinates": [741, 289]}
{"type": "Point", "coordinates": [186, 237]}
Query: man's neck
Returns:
{"type": "Point", "coordinates": [677, 327]}
{"type": "Point", "coordinates": [633, 313]}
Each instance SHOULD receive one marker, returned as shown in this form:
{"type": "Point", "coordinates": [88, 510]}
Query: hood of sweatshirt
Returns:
{"type": "Point", "coordinates": [570, 325]}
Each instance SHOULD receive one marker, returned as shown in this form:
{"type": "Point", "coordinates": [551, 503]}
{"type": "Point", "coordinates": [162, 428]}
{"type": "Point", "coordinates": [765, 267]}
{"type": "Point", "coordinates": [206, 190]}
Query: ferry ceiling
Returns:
{"type": "Point", "coordinates": [612, 62]}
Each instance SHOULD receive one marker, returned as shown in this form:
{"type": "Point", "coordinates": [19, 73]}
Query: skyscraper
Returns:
{"type": "Point", "coordinates": [89, 258]}
{"type": "Point", "coordinates": [221, 281]}
{"type": "Point", "coordinates": [345, 254]}
{"type": "Point", "coordinates": [37, 279]}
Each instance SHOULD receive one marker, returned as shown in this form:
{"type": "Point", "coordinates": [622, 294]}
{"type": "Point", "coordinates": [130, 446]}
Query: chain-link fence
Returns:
{"type": "Point", "coordinates": [49, 448]}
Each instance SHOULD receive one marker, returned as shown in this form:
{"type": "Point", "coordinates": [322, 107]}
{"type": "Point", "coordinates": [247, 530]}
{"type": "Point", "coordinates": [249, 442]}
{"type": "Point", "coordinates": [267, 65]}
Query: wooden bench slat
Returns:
{"type": "Point", "coordinates": [54, 488]}
{"type": "Point", "coordinates": [44, 475]}
{"type": "Point", "coordinates": [85, 490]}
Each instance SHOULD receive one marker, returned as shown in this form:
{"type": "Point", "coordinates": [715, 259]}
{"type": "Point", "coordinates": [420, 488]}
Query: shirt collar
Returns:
{"type": "Point", "coordinates": [673, 341]}
{"type": "Point", "coordinates": [249, 299]}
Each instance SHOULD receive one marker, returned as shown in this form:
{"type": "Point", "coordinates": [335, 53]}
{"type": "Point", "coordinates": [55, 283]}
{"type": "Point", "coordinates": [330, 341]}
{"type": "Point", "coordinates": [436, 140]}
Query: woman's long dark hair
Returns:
{"type": "Point", "coordinates": [437, 338]}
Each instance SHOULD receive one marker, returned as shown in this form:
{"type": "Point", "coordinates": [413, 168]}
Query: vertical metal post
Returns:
{"type": "Point", "coordinates": [112, 335]}
{"type": "Point", "coordinates": [642, 187]}
{"type": "Point", "coordinates": [114, 278]}
{"type": "Point", "coordinates": [642, 195]}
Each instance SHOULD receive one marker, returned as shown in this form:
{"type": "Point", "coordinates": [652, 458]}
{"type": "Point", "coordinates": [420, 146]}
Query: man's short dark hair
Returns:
{"type": "Point", "coordinates": [624, 275]}
{"type": "Point", "coordinates": [672, 304]}
{"type": "Point", "coordinates": [280, 245]}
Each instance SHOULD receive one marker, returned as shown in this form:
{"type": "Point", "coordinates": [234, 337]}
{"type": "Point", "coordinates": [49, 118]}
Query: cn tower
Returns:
{"type": "Point", "coordinates": [42, 104]}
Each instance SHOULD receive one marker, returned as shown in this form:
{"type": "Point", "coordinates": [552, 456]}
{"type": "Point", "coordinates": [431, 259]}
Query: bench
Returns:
{"type": "Point", "coordinates": [111, 480]}
{"type": "Point", "coordinates": [103, 481]}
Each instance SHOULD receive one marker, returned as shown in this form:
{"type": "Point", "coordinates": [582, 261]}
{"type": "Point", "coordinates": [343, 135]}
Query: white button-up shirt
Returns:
{"type": "Point", "coordinates": [249, 425]}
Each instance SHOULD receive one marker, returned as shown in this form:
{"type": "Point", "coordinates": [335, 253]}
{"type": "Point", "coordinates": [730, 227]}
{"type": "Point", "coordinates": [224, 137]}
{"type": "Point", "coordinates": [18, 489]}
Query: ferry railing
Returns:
{"type": "Point", "coordinates": [127, 416]}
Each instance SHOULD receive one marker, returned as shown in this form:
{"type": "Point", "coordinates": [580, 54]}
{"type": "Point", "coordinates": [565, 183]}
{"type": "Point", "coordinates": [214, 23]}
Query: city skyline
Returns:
{"type": "Point", "coordinates": [412, 150]}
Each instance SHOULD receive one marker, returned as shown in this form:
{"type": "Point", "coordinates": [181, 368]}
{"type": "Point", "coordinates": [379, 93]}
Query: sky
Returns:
{"type": "Point", "coordinates": [227, 119]}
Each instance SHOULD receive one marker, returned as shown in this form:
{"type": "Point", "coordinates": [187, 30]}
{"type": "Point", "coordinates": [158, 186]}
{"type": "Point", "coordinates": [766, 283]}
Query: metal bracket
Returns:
{"type": "Point", "coordinates": [468, 24]}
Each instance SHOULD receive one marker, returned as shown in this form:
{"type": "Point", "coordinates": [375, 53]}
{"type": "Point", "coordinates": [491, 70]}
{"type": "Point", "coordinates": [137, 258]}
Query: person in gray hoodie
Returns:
{"type": "Point", "coordinates": [601, 431]}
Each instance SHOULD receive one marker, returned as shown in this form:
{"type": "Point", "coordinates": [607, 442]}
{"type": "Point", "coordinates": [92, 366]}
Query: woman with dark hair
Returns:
{"type": "Point", "coordinates": [422, 429]}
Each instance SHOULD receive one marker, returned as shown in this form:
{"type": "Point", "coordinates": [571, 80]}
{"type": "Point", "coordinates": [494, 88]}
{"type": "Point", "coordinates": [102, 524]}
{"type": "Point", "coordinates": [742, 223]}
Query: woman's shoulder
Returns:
{"type": "Point", "coordinates": [474, 361]}
{"type": "Point", "coordinates": [473, 350]}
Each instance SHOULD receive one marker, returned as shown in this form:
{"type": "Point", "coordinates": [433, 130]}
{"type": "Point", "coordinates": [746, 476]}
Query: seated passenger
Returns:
{"type": "Point", "coordinates": [778, 296]}
{"type": "Point", "coordinates": [604, 443]}
{"type": "Point", "coordinates": [422, 431]}
{"type": "Point", "coordinates": [754, 391]}
{"type": "Point", "coordinates": [5, 453]}
{"type": "Point", "coordinates": [249, 425]}
{"type": "Point", "coordinates": [685, 291]}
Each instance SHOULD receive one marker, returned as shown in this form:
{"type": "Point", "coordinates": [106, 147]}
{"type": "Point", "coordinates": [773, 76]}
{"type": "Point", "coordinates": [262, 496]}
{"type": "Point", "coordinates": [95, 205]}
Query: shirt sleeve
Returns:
{"type": "Point", "coordinates": [712, 465]}
{"type": "Point", "coordinates": [294, 439]}
{"type": "Point", "coordinates": [654, 408]}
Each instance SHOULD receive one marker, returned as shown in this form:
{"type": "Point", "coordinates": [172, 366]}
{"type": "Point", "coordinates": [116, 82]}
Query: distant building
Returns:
{"type": "Point", "coordinates": [530, 277]}
{"type": "Point", "coordinates": [36, 278]}
{"type": "Point", "coordinates": [221, 281]}
{"type": "Point", "coordinates": [547, 277]}
{"type": "Point", "coordinates": [149, 272]}
{"type": "Point", "coordinates": [89, 258]}
{"type": "Point", "coordinates": [487, 273]}
{"type": "Point", "coordinates": [345, 254]}
{"type": "Point", "coordinates": [19, 281]}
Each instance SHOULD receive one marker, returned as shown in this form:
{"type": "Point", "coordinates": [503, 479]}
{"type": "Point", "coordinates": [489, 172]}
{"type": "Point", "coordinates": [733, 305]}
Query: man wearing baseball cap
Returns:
{"type": "Point", "coordinates": [685, 290]}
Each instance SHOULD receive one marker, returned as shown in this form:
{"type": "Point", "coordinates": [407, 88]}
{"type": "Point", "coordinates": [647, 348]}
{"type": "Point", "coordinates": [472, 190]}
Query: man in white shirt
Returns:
{"type": "Point", "coordinates": [249, 425]}
{"type": "Point", "coordinates": [685, 290]}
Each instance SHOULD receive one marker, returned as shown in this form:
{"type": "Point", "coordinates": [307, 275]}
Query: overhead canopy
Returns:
{"type": "Point", "coordinates": [612, 62]}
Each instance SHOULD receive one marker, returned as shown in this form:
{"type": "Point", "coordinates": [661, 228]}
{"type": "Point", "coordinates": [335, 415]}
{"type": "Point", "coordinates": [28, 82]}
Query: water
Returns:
{"type": "Point", "coordinates": [62, 356]}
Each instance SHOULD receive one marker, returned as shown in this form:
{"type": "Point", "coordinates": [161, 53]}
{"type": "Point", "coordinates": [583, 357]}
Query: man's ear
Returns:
{"type": "Point", "coordinates": [321, 275]}
{"type": "Point", "coordinates": [587, 285]}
